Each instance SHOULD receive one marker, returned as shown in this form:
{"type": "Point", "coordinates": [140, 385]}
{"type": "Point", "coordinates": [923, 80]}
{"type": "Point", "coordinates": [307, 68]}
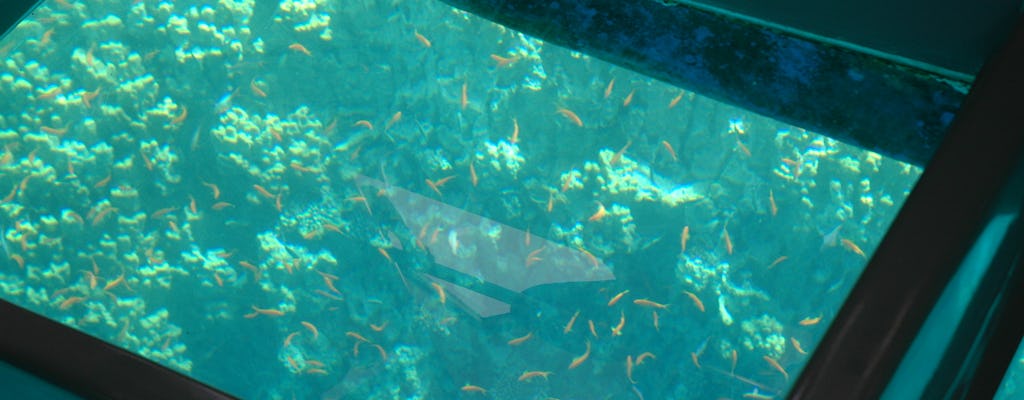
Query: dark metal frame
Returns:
{"type": "Point", "coordinates": [871, 333]}
{"type": "Point", "coordinates": [927, 242]}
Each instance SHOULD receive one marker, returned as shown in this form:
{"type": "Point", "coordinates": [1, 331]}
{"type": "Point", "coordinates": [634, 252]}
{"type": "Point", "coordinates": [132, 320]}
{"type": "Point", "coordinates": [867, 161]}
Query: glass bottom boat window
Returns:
{"type": "Point", "coordinates": [378, 200]}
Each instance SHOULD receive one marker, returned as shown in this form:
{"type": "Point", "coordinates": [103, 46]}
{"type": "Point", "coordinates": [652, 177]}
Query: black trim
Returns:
{"type": "Point", "coordinates": [928, 240]}
{"type": "Point", "coordinates": [853, 97]}
{"type": "Point", "coordinates": [12, 12]}
{"type": "Point", "coordinates": [87, 366]}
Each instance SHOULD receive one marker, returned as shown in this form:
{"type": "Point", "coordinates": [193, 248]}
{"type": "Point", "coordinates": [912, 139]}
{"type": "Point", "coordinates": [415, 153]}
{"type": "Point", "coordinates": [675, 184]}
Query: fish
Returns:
{"type": "Point", "coordinates": [849, 245]}
{"type": "Point", "coordinates": [617, 297]}
{"type": "Point", "coordinates": [527, 375]}
{"type": "Point", "coordinates": [599, 214]}
{"type": "Point", "coordinates": [696, 301]}
{"type": "Point", "coordinates": [568, 326]}
{"type": "Point", "coordinates": [422, 39]}
{"type": "Point", "coordinates": [775, 364]}
{"type": "Point", "coordinates": [504, 61]}
{"type": "Point", "coordinates": [579, 360]}
{"type": "Point", "coordinates": [608, 89]}
{"type": "Point", "coordinates": [312, 328]}
{"type": "Point", "coordinates": [300, 48]}
{"type": "Point", "coordinates": [629, 98]}
{"type": "Point", "coordinates": [771, 202]}
{"type": "Point", "coordinates": [671, 151]}
{"type": "Point", "coordinates": [571, 116]}
{"type": "Point", "coordinates": [648, 303]}
{"type": "Point", "coordinates": [618, 155]}
{"type": "Point", "coordinates": [520, 340]}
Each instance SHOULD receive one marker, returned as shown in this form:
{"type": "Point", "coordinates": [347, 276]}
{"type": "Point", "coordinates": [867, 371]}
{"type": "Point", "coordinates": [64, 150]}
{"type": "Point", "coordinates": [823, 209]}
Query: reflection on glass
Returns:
{"type": "Point", "coordinates": [374, 199]}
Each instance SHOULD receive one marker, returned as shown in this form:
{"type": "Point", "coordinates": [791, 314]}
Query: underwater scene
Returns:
{"type": "Point", "coordinates": [394, 199]}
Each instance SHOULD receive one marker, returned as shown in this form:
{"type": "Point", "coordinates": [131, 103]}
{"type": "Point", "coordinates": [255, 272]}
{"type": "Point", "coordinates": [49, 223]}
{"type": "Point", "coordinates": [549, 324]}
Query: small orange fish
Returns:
{"type": "Point", "coordinates": [643, 356]}
{"type": "Point", "coordinates": [671, 151]}
{"type": "Point", "coordinates": [441, 296]}
{"type": "Point", "coordinates": [394, 120]}
{"type": "Point", "coordinates": [263, 191]}
{"type": "Point", "coordinates": [579, 360]}
{"type": "Point", "coordinates": [472, 174]}
{"type": "Point", "coordinates": [797, 346]}
{"type": "Point", "coordinates": [617, 297]}
{"type": "Point", "coordinates": [593, 331]}
{"type": "Point", "coordinates": [771, 202]}
{"type": "Point", "coordinates": [527, 375]}
{"type": "Point", "coordinates": [684, 237]}
{"type": "Point", "coordinates": [66, 304]}
{"type": "Point", "coordinates": [21, 262]}
{"type": "Point", "coordinates": [300, 48]}
{"type": "Point", "coordinates": [734, 358]}
{"type": "Point", "coordinates": [571, 116]}
{"type": "Point", "coordinates": [599, 214]}
{"type": "Point", "coordinates": [87, 97]}
{"type": "Point", "coordinates": [465, 99]}
{"type": "Point", "coordinates": [696, 300]}
{"type": "Point", "coordinates": [618, 155]}
{"type": "Point", "coordinates": [515, 132]}
{"type": "Point", "coordinates": [422, 39]}
{"type": "Point", "coordinates": [181, 117]}
{"type": "Point", "coordinates": [617, 330]}
{"type": "Point", "coordinates": [608, 89]}
{"type": "Point", "coordinates": [648, 303]}
{"type": "Point", "coordinates": [808, 321]}
{"type": "Point", "coordinates": [629, 98]}
{"type": "Point", "coordinates": [849, 245]}
{"type": "Point", "coordinates": [504, 61]}
{"type": "Point", "coordinates": [272, 312]}
{"type": "Point", "coordinates": [568, 326]}
{"type": "Point", "coordinates": [675, 100]}
{"type": "Point", "coordinates": [312, 328]}
{"type": "Point", "coordinates": [775, 364]}
{"type": "Point", "coordinates": [288, 339]}
{"type": "Point", "coordinates": [356, 336]}
{"type": "Point", "coordinates": [520, 340]}
{"type": "Point", "coordinates": [379, 328]}
{"type": "Point", "coordinates": [727, 239]}
{"type": "Point", "coordinates": [743, 148]}
{"type": "Point", "coordinates": [654, 320]}
{"type": "Point", "coordinates": [364, 123]}
{"type": "Point", "coordinates": [220, 205]}
{"type": "Point", "coordinates": [629, 368]}
{"type": "Point", "coordinates": [473, 389]}
{"type": "Point", "coordinates": [256, 89]}
{"type": "Point", "coordinates": [777, 261]}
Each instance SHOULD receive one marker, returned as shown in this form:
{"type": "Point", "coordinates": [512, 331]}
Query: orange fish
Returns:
{"type": "Point", "coordinates": [775, 364]}
{"type": "Point", "coordinates": [601, 213]}
{"type": "Point", "coordinates": [504, 61]}
{"type": "Point", "coordinates": [220, 205]}
{"type": "Point", "coordinates": [684, 237]}
{"type": "Point", "coordinates": [256, 89]}
{"type": "Point", "coordinates": [849, 245]}
{"type": "Point", "coordinates": [527, 375]}
{"type": "Point", "coordinates": [643, 356]}
{"type": "Point", "coordinates": [465, 99]}
{"type": "Point", "coordinates": [771, 202]}
{"type": "Point", "coordinates": [797, 346]}
{"type": "Point", "coordinates": [629, 368]}
{"type": "Point", "coordinates": [727, 239]}
{"type": "Point", "coordinates": [743, 148]}
{"type": "Point", "coordinates": [696, 300]}
{"type": "Point", "coordinates": [300, 48]}
{"type": "Point", "coordinates": [568, 326]}
{"type": "Point", "coordinates": [629, 98]}
{"type": "Point", "coordinates": [472, 174]}
{"type": "Point", "coordinates": [356, 336]}
{"type": "Point", "coordinates": [520, 340]}
{"type": "Point", "coordinates": [515, 132]}
{"type": "Point", "coordinates": [777, 261]}
{"type": "Point", "coordinates": [671, 151]}
{"type": "Point", "coordinates": [617, 297]}
{"type": "Point", "coordinates": [618, 155]}
{"type": "Point", "coordinates": [579, 360]}
{"type": "Point", "coordinates": [364, 123]}
{"type": "Point", "coordinates": [422, 39]}
{"type": "Point", "coordinates": [312, 328]}
{"type": "Point", "coordinates": [608, 90]}
{"type": "Point", "coordinates": [810, 321]}
{"type": "Point", "coordinates": [473, 389]}
{"type": "Point", "coordinates": [593, 331]}
{"type": "Point", "coordinates": [272, 312]}
{"type": "Point", "coordinates": [441, 296]}
{"type": "Point", "coordinates": [648, 303]}
{"type": "Point", "coordinates": [394, 120]}
{"type": "Point", "coordinates": [571, 116]}
{"type": "Point", "coordinates": [617, 330]}
{"type": "Point", "coordinates": [263, 191]}
{"type": "Point", "coordinates": [675, 100]}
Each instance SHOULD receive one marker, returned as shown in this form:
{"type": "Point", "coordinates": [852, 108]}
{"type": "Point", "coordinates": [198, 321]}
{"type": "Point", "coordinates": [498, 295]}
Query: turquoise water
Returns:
{"type": "Point", "coordinates": [398, 200]}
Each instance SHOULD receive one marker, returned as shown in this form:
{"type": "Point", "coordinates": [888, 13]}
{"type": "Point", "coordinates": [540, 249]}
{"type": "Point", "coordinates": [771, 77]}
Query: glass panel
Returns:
{"type": "Point", "coordinates": [19, 384]}
{"type": "Point", "coordinates": [368, 199]}
{"type": "Point", "coordinates": [1010, 387]}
